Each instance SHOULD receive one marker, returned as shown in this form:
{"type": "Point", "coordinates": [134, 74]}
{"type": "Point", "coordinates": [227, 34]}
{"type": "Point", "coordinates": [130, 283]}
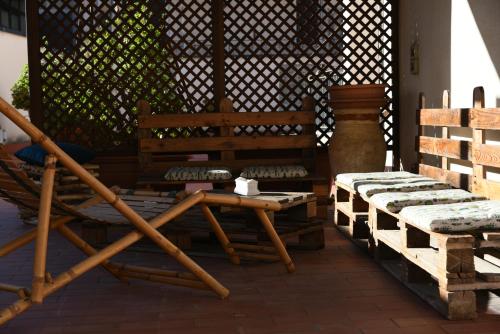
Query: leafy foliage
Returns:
{"type": "Point", "coordinates": [90, 91]}
{"type": "Point", "coordinates": [21, 90]}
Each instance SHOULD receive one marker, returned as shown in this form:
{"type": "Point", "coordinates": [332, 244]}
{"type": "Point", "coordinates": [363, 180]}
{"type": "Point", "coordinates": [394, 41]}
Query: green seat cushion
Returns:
{"type": "Point", "coordinates": [198, 174]}
{"type": "Point", "coordinates": [395, 202]}
{"type": "Point", "coordinates": [273, 172]}
{"type": "Point", "coordinates": [457, 217]}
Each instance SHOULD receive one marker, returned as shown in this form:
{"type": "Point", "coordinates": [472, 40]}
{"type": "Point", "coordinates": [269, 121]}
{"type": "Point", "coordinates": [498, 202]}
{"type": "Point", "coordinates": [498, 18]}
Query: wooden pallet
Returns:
{"type": "Point", "coordinates": [295, 224]}
{"type": "Point", "coordinates": [351, 213]}
{"type": "Point", "coordinates": [443, 269]}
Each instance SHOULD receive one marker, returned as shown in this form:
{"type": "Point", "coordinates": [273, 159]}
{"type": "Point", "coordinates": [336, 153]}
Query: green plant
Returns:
{"type": "Point", "coordinates": [21, 90]}
{"type": "Point", "coordinates": [89, 91]}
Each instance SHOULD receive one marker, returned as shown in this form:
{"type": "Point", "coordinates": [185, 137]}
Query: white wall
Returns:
{"type": "Point", "coordinates": [459, 49]}
{"type": "Point", "coordinates": [13, 56]}
{"type": "Point", "coordinates": [475, 50]}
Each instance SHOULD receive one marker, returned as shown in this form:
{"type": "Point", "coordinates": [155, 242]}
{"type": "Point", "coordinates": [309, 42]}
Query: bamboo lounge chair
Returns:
{"type": "Point", "coordinates": [53, 214]}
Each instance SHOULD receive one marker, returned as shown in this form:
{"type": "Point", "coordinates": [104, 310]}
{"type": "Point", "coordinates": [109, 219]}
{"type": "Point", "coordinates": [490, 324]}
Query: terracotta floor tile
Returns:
{"type": "Point", "coordinates": [336, 290]}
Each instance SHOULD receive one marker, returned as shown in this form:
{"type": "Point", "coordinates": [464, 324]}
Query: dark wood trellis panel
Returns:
{"type": "Point", "coordinates": [92, 60]}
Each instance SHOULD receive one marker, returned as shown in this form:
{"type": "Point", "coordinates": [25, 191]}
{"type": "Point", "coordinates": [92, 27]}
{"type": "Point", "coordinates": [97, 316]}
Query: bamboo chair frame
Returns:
{"type": "Point", "coordinates": [54, 215]}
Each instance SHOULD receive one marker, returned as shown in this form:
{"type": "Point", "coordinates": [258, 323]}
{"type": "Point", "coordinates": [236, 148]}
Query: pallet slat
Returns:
{"type": "Point", "coordinates": [227, 143]}
{"type": "Point", "coordinates": [449, 148]}
{"type": "Point", "coordinates": [226, 119]}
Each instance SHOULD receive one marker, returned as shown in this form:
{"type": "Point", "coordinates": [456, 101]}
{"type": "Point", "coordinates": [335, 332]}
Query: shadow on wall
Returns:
{"type": "Point", "coordinates": [486, 14]}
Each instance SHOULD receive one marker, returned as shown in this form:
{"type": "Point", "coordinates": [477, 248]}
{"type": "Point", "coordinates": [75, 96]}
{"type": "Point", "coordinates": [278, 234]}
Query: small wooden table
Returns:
{"type": "Point", "coordinates": [299, 205]}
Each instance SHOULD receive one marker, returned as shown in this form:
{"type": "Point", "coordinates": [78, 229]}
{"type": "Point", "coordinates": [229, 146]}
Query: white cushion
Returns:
{"type": "Point", "coordinates": [273, 172]}
{"type": "Point", "coordinates": [394, 202]}
{"type": "Point", "coordinates": [368, 190]}
{"type": "Point", "coordinates": [458, 217]}
{"type": "Point", "coordinates": [198, 174]}
{"type": "Point", "coordinates": [350, 179]}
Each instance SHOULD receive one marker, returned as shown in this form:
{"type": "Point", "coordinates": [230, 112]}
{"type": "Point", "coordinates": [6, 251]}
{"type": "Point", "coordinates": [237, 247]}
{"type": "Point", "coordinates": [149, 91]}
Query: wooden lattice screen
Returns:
{"type": "Point", "coordinates": [90, 61]}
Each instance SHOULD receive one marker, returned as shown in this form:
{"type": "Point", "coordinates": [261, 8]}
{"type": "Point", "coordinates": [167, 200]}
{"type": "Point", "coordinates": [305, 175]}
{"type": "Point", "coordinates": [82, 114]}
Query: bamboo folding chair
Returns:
{"type": "Point", "coordinates": [109, 205]}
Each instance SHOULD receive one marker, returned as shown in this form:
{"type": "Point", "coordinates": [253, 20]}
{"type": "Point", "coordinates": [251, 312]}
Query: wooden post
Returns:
{"type": "Point", "coordinates": [421, 105]}
{"type": "Point", "coordinates": [445, 131]}
{"type": "Point", "coordinates": [308, 154]}
{"type": "Point", "coordinates": [219, 233]}
{"type": "Point", "coordinates": [278, 244]}
{"type": "Point", "coordinates": [145, 158]}
{"type": "Point", "coordinates": [226, 107]}
{"type": "Point", "coordinates": [478, 138]}
{"type": "Point", "coordinates": [43, 229]}
{"type": "Point", "coordinates": [218, 49]}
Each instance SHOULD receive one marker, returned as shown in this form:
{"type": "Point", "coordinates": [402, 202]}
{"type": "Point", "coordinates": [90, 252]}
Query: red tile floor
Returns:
{"type": "Point", "coordinates": [335, 290]}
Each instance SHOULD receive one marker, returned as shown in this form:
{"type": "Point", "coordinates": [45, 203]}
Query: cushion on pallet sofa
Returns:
{"type": "Point", "coordinates": [350, 178]}
{"type": "Point", "coordinates": [273, 172]}
{"type": "Point", "coordinates": [457, 217]}
{"type": "Point", "coordinates": [368, 190]}
{"type": "Point", "coordinates": [395, 202]}
{"type": "Point", "coordinates": [198, 174]}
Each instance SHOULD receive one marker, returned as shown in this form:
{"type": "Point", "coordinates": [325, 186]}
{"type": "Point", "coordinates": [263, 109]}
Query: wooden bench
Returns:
{"type": "Point", "coordinates": [227, 148]}
{"type": "Point", "coordinates": [446, 269]}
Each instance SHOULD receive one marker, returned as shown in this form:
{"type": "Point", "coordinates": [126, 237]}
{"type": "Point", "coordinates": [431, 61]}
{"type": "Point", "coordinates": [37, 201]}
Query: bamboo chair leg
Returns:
{"type": "Point", "coordinates": [88, 250]}
{"type": "Point", "coordinates": [271, 232]}
{"type": "Point", "coordinates": [29, 236]}
{"type": "Point", "coordinates": [219, 233]}
{"type": "Point", "coordinates": [151, 231]}
{"type": "Point", "coordinates": [43, 229]}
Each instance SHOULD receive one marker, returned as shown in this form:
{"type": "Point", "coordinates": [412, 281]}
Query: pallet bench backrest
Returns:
{"type": "Point", "coordinates": [476, 153]}
{"type": "Point", "coordinates": [232, 151]}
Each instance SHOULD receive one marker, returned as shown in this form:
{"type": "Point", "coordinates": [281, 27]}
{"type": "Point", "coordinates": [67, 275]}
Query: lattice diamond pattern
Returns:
{"type": "Point", "coordinates": [279, 51]}
{"type": "Point", "coordinates": [99, 57]}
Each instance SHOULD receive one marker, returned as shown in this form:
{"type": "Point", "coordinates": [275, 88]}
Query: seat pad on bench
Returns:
{"type": "Point", "coordinates": [198, 174]}
{"type": "Point", "coordinates": [368, 190]}
{"type": "Point", "coordinates": [396, 201]}
{"type": "Point", "coordinates": [457, 217]}
{"type": "Point", "coordinates": [273, 172]}
{"type": "Point", "coordinates": [354, 179]}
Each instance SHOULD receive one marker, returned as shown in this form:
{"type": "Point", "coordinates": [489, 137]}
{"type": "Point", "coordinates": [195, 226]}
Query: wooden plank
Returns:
{"type": "Point", "coordinates": [486, 155]}
{"type": "Point", "coordinates": [391, 238]}
{"type": "Point", "coordinates": [488, 188]}
{"type": "Point", "coordinates": [485, 118]}
{"type": "Point", "coordinates": [458, 180]}
{"type": "Point", "coordinates": [227, 143]}
{"type": "Point", "coordinates": [487, 270]}
{"type": "Point", "coordinates": [444, 117]}
{"type": "Point", "coordinates": [491, 236]}
{"type": "Point", "coordinates": [231, 119]}
{"type": "Point", "coordinates": [449, 148]}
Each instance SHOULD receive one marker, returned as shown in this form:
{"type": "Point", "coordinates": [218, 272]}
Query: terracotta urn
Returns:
{"type": "Point", "coordinates": [357, 144]}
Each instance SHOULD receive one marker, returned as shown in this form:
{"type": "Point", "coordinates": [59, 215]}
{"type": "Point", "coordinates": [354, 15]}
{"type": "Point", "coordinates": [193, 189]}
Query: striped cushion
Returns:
{"type": "Point", "coordinates": [457, 217]}
{"type": "Point", "coordinates": [352, 179]}
{"type": "Point", "coordinates": [395, 202]}
{"type": "Point", "coordinates": [273, 172]}
{"type": "Point", "coordinates": [368, 190]}
{"type": "Point", "coordinates": [198, 174]}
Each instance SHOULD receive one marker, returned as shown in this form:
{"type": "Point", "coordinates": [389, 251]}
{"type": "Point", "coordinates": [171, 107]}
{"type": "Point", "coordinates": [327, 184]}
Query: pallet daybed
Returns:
{"type": "Point", "coordinates": [353, 190]}
{"type": "Point", "coordinates": [227, 149]}
{"type": "Point", "coordinates": [438, 250]}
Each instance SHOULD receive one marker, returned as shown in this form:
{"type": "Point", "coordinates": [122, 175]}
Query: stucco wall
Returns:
{"type": "Point", "coordinates": [459, 49]}
{"type": "Point", "coordinates": [13, 56]}
{"type": "Point", "coordinates": [431, 20]}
